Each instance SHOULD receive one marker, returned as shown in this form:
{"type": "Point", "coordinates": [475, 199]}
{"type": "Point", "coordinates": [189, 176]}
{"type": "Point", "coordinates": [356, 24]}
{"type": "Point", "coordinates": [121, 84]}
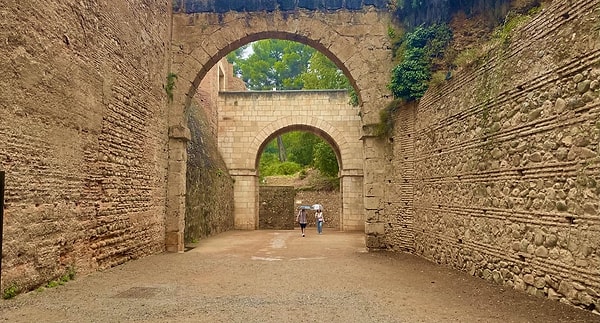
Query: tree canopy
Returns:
{"type": "Point", "coordinates": [322, 73]}
{"type": "Point", "coordinates": [272, 63]}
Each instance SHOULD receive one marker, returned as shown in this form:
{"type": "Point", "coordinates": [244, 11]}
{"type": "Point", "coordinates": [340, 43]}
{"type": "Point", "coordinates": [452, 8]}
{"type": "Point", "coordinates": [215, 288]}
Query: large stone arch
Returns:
{"type": "Point", "coordinates": [249, 120]}
{"type": "Point", "coordinates": [356, 41]}
{"type": "Point", "coordinates": [246, 188]}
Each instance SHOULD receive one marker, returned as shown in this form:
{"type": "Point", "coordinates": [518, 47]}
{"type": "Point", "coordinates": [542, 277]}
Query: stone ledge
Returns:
{"type": "Point", "coordinates": [180, 132]}
{"type": "Point", "coordinates": [351, 173]}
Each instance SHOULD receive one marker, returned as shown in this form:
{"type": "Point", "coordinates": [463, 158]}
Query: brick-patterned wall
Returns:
{"type": "Point", "coordinates": [506, 162]}
{"type": "Point", "coordinates": [208, 91]}
{"type": "Point", "coordinates": [399, 231]}
{"type": "Point", "coordinates": [82, 135]}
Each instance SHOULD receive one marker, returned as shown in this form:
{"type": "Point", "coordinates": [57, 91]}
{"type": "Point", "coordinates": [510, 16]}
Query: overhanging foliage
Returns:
{"type": "Point", "coordinates": [410, 78]}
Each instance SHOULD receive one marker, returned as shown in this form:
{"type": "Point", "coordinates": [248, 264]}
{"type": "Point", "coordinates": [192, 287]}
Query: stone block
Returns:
{"type": "Point", "coordinates": [374, 229]}
{"type": "Point", "coordinates": [372, 203]}
{"type": "Point", "coordinates": [179, 132]}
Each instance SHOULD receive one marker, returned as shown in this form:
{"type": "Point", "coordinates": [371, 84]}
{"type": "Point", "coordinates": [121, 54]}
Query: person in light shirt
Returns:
{"type": "Point", "coordinates": [301, 219]}
{"type": "Point", "coordinates": [320, 220]}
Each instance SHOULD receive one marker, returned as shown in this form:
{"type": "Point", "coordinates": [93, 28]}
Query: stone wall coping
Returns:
{"type": "Point", "coordinates": [242, 172]}
{"type": "Point", "coordinates": [351, 172]}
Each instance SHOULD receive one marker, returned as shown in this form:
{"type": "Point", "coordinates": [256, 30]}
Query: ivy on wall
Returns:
{"type": "Point", "coordinates": [170, 85]}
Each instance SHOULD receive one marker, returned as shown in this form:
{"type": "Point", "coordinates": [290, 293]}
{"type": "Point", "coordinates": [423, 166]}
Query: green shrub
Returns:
{"type": "Point", "coordinates": [10, 292]}
{"type": "Point", "coordinates": [466, 57]}
{"type": "Point", "coordinates": [303, 173]}
{"type": "Point", "coordinates": [53, 283]}
{"type": "Point", "coordinates": [410, 78]}
{"type": "Point", "coordinates": [171, 77]}
{"type": "Point", "coordinates": [285, 168]}
{"type": "Point", "coordinates": [438, 78]}
{"type": "Point", "coordinates": [323, 182]}
{"type": "Point", "coordinates": [71, 273]}
{"type": "Point", "coordinates": [504, 32]}
{"type": "Point", "coordinates": [325, 160]}
{"type": "Point", "coordinates": [386, 119]}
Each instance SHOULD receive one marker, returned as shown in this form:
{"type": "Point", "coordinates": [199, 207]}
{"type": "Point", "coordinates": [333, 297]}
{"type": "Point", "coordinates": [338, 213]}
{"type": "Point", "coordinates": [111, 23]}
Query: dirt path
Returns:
{"type": "Point", "coordinates": [278, 276]}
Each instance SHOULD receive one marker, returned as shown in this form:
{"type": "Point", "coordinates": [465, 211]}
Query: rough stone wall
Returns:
{"type": "Point", "coordinates": [332, 206]}
{"type": "Point", "coordinates": [209, 194]}
{"type": "Point", "coordinates": [209, 188]}
{"type": "Point", "coordinates": [504, 180]}
{"type": "Point", "coordinates": [82, 135]}
{"type": "Point", "coordinates": [249, 120]}
{"type": "Point", "coordinates": [356, 41]}
{"type": "Point", "coordinates": [219, 78]}
{"type": "Point", "coordinates": [276, 207]}
{"type": "Point", "coordinates": [400, 185]}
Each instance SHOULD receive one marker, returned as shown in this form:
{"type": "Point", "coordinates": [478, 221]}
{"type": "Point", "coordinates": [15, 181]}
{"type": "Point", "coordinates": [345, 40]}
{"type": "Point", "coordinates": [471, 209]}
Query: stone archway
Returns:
{"type": "Point", "coordinates": [356, 41]}
{"type": "Point", "coordinates": [249, 120]}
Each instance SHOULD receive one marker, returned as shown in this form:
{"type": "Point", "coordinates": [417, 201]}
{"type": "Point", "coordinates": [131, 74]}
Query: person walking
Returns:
{"type": "Point", "coordinates": [320, 220]}
{"type": "Point", "coordinates": [301, 218]}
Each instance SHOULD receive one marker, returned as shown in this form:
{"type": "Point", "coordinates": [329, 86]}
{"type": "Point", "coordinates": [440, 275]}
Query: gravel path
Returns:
{"type": "Point", "coordinates": [278, 276]}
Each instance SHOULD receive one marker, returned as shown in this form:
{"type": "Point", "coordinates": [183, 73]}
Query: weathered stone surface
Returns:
{"type": "Point", "coordinates": [198, 6]}
{"type": "Point", "coordinates": [519, 191]}
{"type": "Point", "coordinates": [331, 202]}
{"type": "Point", "coordinates": [529, 279]}
{"type": "Point", "coordinates": [84, 136]}
{"type": "Point", "coordinates": [209, 188]}
{"type": "Point", "coordinates": [469, 171]}
{"type": "Point", "coordinates": [277, 207]}
{"type": "Point", "coordinates": [248, 120]}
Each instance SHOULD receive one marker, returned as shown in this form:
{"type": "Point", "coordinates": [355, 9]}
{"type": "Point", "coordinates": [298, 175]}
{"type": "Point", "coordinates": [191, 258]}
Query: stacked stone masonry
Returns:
{"type": "Point", "coordinates": [277, 207]}
{"type": "Point", "coordinates": [82, 136]}
{"type": "Point", "coordinates": [504, 179]}
{"type": "Point", "coordinates": [195, 6]}
{"type": "Point", "coordinates": [209, 188]}
{"type": "Point", "coordinates": [332, 207]}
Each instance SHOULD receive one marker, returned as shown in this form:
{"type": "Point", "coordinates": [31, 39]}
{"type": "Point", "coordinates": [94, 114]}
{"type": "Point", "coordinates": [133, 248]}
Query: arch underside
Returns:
{"type": "Point", "coordinates": [297, 127]}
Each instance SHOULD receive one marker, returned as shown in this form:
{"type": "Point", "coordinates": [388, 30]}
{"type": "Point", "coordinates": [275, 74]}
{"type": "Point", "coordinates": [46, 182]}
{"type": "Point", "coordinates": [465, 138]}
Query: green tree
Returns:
{"type": "Point", "coordinates": [325, 160]}
{"type": "Point", "coordinates": [272, 63]}
{"type": "Point", "coordinates": [322, 73]}
{"type": "Point", "coordinates": [300, 146]}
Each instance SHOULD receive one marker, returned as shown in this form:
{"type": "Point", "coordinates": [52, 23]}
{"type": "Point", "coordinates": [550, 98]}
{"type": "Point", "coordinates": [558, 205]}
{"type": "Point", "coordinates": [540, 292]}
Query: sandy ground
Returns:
{"type": "Point", "coordinates": [279, 276]}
